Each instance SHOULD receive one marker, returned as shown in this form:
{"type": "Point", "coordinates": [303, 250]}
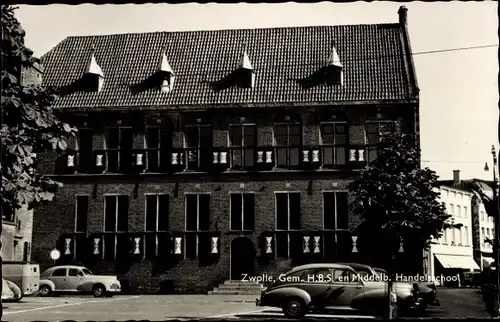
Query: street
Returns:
{"type": "Point", "coordinates": [454, 303]}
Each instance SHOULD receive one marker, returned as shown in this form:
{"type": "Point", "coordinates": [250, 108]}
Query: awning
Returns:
{"type": "Point", "coordinates": [456, 261]}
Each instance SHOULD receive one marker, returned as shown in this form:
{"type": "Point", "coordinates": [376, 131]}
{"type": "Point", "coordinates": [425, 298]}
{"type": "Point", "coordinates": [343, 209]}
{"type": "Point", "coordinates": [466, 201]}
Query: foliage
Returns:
{"type": "Point", "coordinates": [29, 124]}
{"type": "Point", "coordinates": [398, 199]}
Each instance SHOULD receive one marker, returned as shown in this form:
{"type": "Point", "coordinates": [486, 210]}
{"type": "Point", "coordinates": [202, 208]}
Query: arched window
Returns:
{"type": "Point", "coordinates": [288, 140]}
{"type": "Point", "coordinates": [243, 141]}
{"type": "Point", "coordinates": [158, 142]}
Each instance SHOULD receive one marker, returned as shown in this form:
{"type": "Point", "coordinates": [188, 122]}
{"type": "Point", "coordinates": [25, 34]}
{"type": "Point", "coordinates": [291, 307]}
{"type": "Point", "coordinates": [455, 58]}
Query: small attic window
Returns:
{"type": "Point", "coordinates": [166, 73]}
{"type": "Point", "coordinates": [94, 74]}
{"type": "Point", "coordinates": [245, 71]}
{"type": "Point", "coordinates": [334, 69]}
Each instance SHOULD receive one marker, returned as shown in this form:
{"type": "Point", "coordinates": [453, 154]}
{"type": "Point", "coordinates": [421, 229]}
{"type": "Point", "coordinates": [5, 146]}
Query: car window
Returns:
{"type": "Point", "coordinates": [59, 272]}
{"type": "Point", "coordinates": [343, 276]}
{"type": "Point", "coordinates": [363, 272]}
{"type": "Point", "coordinates": [80, 273]}
{"type": "Point", "coordinates": [86, 271]}
{"type": "Point", "coordinates": [317, 275]}
{"type": "Point", "coordinates": [72, 272]}
{"type": "Point", "coordinates": [289, 278]}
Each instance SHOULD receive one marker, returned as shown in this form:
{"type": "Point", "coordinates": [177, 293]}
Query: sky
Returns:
{"type": "Point", "coordinates": [458, 89]}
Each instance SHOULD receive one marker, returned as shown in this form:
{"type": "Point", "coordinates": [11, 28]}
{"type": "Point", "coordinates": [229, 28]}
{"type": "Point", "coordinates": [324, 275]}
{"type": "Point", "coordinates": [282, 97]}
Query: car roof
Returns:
{"type": "Point", "coordinates": [318, 265]}
{"type": "Point", "coordinates": [63, 266]}
{"type": "Point", "coordinates": [379, 269]}
{"type": "Point", "coordinates": [357, 265]}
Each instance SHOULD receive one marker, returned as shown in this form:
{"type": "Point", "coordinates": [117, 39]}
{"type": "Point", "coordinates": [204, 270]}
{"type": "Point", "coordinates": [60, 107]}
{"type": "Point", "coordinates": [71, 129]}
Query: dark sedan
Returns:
{"type": "Point", "coordinates": [332, 287]}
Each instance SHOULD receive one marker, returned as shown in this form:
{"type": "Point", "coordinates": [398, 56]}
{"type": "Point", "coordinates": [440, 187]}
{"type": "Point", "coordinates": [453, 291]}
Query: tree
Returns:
{"type": "Point", "coordinates": [399, 203]}
{"type": "Point", "coordinates": [30, 125]}
{"type": "Point", "coordinates": [397, 199]}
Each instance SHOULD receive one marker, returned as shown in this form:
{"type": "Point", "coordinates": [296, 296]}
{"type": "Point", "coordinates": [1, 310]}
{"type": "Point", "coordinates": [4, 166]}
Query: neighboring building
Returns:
{"type": "Point", "coordinates": [204, 155]}
{"type": "Point", "coordinates": [17, 225]}
{"type": "Point", "coordinates": [453, 253]}
{"type": "Point", "coordinates": [16, 234]}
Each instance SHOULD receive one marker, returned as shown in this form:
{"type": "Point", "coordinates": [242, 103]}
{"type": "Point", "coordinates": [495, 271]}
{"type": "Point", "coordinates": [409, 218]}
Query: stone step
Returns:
{"type": "Point", "coordinates": [241, 282]}
{"type": "Point", "coordinates": [234, 292]}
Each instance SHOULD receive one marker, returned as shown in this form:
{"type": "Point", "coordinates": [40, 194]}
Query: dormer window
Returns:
{"type": "Point", "coordinates": [167, 75]}
{"type": "Point", "coordinates": [246, 73]}
{"type": "Point", "coordinates": [334, 69]}
{"type": "Point", "coordinates": [94, 74]}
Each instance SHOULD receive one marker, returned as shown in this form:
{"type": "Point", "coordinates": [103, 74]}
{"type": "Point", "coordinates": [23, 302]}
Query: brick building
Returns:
{"type": "Point", "coordinates": [208, 154]}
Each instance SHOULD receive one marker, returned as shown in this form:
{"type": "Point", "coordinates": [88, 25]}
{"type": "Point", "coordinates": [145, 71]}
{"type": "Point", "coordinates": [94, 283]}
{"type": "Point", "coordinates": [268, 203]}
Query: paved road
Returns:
{"type": "Point", "coordinates": [459, 302]}
{"type": "Point", "coordinates": [454, 303]}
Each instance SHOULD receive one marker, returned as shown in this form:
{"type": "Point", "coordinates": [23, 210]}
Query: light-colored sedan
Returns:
{"type": "Point", "coordinates": [77, 279]}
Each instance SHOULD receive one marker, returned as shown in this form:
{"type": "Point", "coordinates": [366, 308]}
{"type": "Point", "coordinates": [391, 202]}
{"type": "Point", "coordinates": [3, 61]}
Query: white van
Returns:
{"type": "Point", "coordinates": [26, 275]}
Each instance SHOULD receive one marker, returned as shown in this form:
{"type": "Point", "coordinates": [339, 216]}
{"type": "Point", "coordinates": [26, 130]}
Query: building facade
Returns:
{"type": "Point", "coordinates": [17, 228]}
{"type": "Point", "coordinates": [483, 226]}
{"type": "Point", "coordinates": [452, 254]}
{"type": "Point", "coordinates": [202, 156]}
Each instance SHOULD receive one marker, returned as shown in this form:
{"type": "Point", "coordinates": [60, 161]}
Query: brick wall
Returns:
{"type": "Point", "coordinates": [187, 274]}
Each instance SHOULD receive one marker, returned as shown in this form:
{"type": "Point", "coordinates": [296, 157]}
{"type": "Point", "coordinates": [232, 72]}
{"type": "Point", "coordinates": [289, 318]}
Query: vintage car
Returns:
{"type": "Point", "coordinates": [10, 291]}
{"type": "Point", "coordinates": [328, 287]}
{"type": "Point", "coordinates": [426, 289]}
{"type": "Point", "coordinates": [77, 279]}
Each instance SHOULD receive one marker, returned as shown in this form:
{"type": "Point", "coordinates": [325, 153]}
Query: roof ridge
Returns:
{"type": "Point", "coordinates": [232, 29]}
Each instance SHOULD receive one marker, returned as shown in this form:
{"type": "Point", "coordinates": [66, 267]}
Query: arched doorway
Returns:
{"type": "Point", "coordinates": [242, 258]}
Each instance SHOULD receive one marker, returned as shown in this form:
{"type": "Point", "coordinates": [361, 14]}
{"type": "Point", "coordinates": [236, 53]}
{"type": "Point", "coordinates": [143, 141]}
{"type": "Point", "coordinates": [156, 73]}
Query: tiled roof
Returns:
{"type": "Point", "coordinates": [374, 66]}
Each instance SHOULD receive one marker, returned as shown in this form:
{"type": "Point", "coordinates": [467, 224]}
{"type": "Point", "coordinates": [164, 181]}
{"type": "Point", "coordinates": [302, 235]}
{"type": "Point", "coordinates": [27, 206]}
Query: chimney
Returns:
{"type": "Point", "coordinates": [456, 176]}
{"type": "Point", "coordinates": [403, 15]}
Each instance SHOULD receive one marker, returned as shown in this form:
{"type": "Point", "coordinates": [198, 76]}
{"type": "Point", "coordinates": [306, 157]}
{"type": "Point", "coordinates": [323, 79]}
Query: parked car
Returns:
{"type": "Point", "coordinates": [325, 286]}
{"type": "Point", "coordinates": [472, 279]}
{"type": "Point", "coordinates": [10, 291]}
{"type": "Point", "coordinates": [426, 289]}
{"type": "Point", "coordinates": [77, 279]}
{"type": "Point", "coordinates": [25, 275]}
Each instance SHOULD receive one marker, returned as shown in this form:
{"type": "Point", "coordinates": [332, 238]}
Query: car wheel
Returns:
{"type": "Point", "coordinates": [98, 291]}
{"type": "Point", "coordinates": [294, 308]}
{"type": "Point", "coordinates": [45, 290]}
